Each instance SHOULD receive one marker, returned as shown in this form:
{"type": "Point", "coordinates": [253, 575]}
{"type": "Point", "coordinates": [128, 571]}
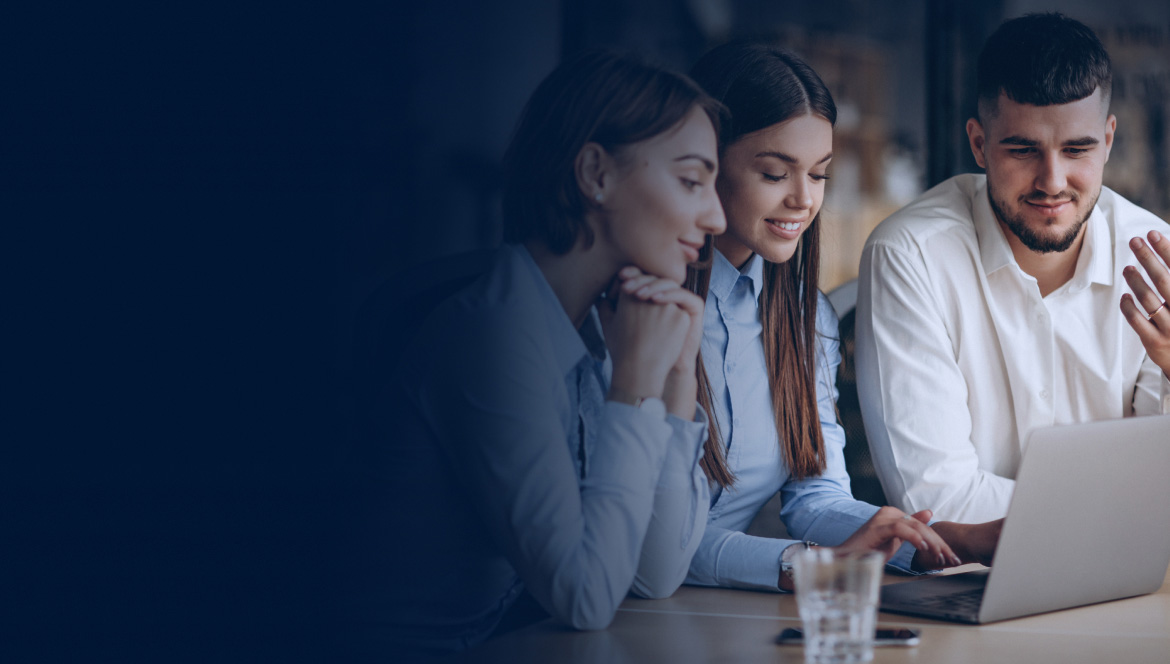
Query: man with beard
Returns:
{"type": "Point", "coordinates": [989, 307]}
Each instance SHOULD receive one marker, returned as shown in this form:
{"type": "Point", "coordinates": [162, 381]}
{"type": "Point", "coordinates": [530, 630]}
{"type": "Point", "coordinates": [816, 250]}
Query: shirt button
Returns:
{"type": "Point", "coordinates": [731, 366]}
{"type": "Point", "coordinates": [1043, 394]}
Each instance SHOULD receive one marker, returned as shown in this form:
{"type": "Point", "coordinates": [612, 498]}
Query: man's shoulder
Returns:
{"type": "Point", "coordinates": [1128, 218]}
{"type": "Point", "coordinates": [944, 211]}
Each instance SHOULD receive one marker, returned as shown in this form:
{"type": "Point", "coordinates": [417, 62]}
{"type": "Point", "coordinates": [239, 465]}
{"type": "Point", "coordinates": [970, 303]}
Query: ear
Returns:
{"type": "Point", "coordinates": [593, 169]}
{"type": "Point", "coordinates": [977, 138]}
{"type": "Point", "coordinates": [1110, 129]}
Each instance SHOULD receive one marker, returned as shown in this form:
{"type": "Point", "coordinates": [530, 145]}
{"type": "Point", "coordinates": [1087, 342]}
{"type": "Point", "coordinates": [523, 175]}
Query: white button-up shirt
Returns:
{"type": "Point", "coordinates": [959, 358]}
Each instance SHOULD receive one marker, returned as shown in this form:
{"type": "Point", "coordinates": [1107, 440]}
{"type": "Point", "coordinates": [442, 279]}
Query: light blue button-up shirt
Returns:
{"type": "Point", "coordinates": [820, 509]}
{"type": "Point", "coordinates": [517, 474]}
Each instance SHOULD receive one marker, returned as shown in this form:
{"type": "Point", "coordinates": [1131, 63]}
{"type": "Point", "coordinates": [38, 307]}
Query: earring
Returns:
{"type": "Point", "coordinates": [597, 196]}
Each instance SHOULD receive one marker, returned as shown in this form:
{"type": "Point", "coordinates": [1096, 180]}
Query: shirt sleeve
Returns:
{"type": "Point", "coordinates": [492, 402]}
{"type": "Point", "coordinates": [822, 508]}
{"type": "Point", "coordinates": [681, 501]}
{"type": "Point", "coordinates": [1152, 392]}
{"type": "Point", "coordinates": [914, 396]}
{"type": "Point", "coordinates": [819, 509]}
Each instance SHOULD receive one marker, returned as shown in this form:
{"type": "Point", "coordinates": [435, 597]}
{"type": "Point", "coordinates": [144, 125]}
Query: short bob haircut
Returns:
{"type": "Point", "coordinates": [1042, 60]}
{"type": "Point", "coordinates": [605, 97]}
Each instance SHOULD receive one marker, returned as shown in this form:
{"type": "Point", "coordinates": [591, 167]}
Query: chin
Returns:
{"type": "Point", "coordinates": [675, 273]}
{"type": "Point", "coordinates": [779, 254]}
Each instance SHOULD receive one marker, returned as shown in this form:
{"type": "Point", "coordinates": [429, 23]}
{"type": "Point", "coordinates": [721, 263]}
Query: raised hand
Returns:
{"type": "Point", "coordinates": [1152, 320]}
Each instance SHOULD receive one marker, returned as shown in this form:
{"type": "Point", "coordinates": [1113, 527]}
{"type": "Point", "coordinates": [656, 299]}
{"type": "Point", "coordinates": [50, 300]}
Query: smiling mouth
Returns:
{"type": "Point", "coordinates": [785, 230]}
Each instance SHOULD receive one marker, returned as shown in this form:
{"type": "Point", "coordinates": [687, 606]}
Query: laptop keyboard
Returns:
{"type": "Point", "coordinates": [967, 601]}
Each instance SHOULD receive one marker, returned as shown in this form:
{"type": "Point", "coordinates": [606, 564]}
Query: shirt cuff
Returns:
{"type": "Point", "coordinates": [1165, 394]}
{"type": "Point", "coordinates": [686, 441]}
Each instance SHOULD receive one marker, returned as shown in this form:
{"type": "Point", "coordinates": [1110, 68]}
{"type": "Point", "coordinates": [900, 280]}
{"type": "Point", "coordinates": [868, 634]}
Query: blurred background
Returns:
{"type": "Point", "coordinates": [197, 196]}
{"type": "Point", "coordinates": [902, 73]}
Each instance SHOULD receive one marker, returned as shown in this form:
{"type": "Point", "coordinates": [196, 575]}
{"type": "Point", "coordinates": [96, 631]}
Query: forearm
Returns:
{"type": "Point", "coordinates": [732, 559]}
{"type": "Point", "coordinates": [681, 391]}
{"type": "Point", "coordinates": [681, 504]}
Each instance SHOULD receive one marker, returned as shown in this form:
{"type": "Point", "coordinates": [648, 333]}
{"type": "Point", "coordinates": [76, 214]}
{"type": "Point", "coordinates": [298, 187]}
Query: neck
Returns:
{"type": "Point", "coordinates": [1051, 270]}
{"type": "Point", "coordinates": [577, 277]}
{"type": "Point", "coordinates": [736, 252]}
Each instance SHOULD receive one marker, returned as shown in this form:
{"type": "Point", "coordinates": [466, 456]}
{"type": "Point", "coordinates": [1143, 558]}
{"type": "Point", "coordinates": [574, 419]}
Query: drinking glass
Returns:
{"type": "Point", "coordinates": [837, 595]}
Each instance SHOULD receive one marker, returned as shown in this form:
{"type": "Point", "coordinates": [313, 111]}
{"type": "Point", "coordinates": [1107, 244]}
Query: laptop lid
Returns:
{"type": "Point", "coordinates": [1089, 520]}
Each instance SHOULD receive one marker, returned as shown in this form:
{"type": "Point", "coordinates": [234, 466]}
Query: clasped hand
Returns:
{"type": "Point", "coordinates": [653, 332]}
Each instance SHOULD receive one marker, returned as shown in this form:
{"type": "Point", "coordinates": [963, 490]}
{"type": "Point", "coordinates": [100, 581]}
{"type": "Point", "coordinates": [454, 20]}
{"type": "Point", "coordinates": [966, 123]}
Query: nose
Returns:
{"type": "Point", "coordinates": [1052, 178]}
{"type": "Point", "coordinates": [799, 194]}
{"type": "Point", "coordinates": [712, 220]}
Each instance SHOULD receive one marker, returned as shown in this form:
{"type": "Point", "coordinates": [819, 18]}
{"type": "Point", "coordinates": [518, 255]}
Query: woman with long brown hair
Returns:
{"type": "Point", "coordinates": [770, 348]}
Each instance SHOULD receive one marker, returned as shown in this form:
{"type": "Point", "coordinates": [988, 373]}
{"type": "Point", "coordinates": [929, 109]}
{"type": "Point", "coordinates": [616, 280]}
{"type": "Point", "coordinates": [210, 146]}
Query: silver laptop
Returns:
{"type": "Point", "coordinates": [1089, 521]}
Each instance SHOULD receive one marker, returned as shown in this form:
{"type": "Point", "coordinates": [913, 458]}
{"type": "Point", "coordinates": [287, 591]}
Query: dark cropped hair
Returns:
{"type": "Point", "coordinates": [1042, 60]}
{"type": "Point", "coordinates": [762, 85]}
{"type": "Point", "coordinates": [602, 96]}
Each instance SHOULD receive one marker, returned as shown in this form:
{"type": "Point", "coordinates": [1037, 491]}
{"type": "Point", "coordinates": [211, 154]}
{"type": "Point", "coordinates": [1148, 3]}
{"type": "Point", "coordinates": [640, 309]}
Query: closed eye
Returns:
{"type": "Point", "coordinates": [774, 178]}
{"type": "Point", "coordinates": [691, 185]}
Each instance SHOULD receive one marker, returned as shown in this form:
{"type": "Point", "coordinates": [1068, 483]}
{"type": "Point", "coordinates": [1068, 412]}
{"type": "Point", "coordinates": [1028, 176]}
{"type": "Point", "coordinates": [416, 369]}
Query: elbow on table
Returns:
{"type": "Point", "coordinates": [656, 585]}
{"type": "Point", "coordinates": [589, 619]}
{"type": "Point", "coordinates": [587, 609]}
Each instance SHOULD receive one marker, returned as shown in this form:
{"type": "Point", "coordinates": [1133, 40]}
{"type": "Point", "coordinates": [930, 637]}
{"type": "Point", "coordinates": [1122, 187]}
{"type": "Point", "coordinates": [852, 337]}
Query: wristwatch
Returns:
{"type": "Point", "coordinates": [788, 560]}
{"type": "Point", "coordinates": [652, 405]}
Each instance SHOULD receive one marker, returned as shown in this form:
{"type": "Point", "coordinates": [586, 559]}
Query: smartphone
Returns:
{"type": "Point", "coordinates": [883, 636]}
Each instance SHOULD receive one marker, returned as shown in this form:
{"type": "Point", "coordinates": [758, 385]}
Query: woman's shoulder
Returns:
{"type": "Point", "coordinates": [827, 318]}
{"type": "Point", "coordinates": [501, 314]}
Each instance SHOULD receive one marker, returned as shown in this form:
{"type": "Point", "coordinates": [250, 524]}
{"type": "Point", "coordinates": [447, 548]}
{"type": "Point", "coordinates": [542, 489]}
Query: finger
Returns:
{"type": "Point", "coordinates": [1161, 245]}
{"type": "Point", "coordinates": [628, 272]}
{"type": "Point", "coordinates": [1146, 331]}
{"type": "Point", "coordinates": [632, 284]}
{"type": "Point", "coordinates": [1145, 295]}
{"type": "Point", "coordinates": [657, 286]}
{"type": "Point", "coordinates": [925, 539]}
{"type": "Point", "coordinates": [686, 300]}
{"type": "Point", "coordinates": [1157, 272]}
{"type": "Point", "coordinates": [923, 516]}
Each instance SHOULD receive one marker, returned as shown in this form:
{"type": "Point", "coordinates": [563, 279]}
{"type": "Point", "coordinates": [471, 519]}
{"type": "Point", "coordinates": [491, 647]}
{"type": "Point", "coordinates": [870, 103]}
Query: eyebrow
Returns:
{"type": "Point", "coordinates": [787, 158]}
{"type": "Point", "coordinates": [1027, 142]}
{"type": "Point", "coordinates": [706, 162]}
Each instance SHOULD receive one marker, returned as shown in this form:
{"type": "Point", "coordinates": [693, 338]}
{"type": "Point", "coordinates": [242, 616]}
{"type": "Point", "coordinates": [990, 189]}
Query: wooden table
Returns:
{"type": "Point", "coordinates": [717, 625]}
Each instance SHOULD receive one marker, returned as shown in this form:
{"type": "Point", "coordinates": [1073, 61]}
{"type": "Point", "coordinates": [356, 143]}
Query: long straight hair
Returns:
{"type": "Point", "coordinates": [761, 86]}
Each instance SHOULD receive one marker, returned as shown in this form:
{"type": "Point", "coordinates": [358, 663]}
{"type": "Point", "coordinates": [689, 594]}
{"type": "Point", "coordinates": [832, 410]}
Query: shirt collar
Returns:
{"type": "Point", "coordinates": [568, 344]}
{"type": "Point", "coordinates": [1094, 264]}
{"type": "Point", "coordinates": [724, 275]}
{"type": "Point", "coordinates": [994, 250]}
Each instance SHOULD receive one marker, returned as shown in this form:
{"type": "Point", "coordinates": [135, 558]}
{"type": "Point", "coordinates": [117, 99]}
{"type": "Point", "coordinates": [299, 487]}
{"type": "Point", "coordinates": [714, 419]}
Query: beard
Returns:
{"type": "Point", "coordinates": [1038, 242]}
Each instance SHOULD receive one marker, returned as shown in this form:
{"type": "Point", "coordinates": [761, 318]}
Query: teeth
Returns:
{"type": "Point", "coordinates": [787, 226]}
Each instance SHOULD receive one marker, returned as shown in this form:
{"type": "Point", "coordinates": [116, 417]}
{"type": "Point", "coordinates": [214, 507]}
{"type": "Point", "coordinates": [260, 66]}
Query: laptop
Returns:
{"type": "Point", "coordinates": [1089, 522]}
